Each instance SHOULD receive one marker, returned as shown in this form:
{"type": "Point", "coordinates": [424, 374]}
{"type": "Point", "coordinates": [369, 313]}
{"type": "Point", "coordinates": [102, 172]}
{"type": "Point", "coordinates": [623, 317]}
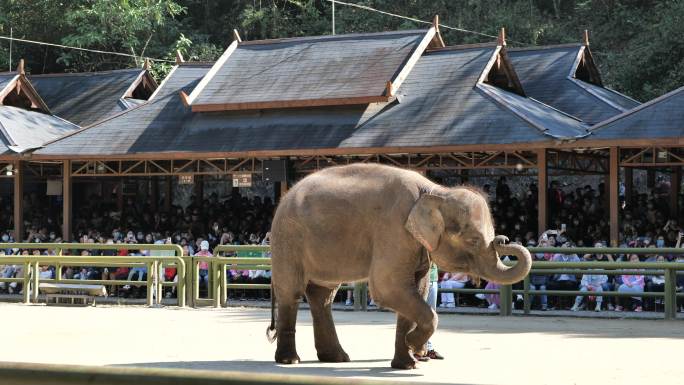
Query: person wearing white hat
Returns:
{"type": "Point", "coordinates": [203, 265]}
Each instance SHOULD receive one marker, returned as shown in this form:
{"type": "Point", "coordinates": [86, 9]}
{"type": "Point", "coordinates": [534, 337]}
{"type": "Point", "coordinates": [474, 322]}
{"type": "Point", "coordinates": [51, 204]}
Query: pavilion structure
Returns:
{"type": "Point", "coordinates": [399, 98]}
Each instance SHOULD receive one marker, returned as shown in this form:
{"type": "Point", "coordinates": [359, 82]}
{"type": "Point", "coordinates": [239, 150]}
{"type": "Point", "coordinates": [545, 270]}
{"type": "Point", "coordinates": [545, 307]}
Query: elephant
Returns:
{"type": "Point", "coordinates": [382, 224]}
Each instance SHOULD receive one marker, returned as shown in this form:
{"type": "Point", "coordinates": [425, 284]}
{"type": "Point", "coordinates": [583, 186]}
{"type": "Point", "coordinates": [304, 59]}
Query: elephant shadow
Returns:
{"type": "Point", "coordinates": [305, 368]}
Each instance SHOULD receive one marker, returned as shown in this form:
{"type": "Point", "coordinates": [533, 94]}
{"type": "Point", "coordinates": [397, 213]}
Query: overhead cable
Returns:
{"type": "Point", "coordinates": [367, 8]}
{"type": "Point", "coordinates": [82, 49]}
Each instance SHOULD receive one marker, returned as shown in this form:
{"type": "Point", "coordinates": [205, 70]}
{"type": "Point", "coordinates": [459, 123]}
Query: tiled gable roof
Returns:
{"type": "Point", "coordinates": [87, 97]}
{"type": "Point", "coordinates": [546, 75]}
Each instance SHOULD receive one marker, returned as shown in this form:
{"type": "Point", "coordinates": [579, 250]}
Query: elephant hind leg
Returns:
{"type": "Point", "coordinates": [288, 304]}
{"type": "Point", "coordinates": [328, 346]}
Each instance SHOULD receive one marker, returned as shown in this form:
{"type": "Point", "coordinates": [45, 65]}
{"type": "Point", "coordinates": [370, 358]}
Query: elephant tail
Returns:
{"type": "Point", "coordinates": [271, 331]}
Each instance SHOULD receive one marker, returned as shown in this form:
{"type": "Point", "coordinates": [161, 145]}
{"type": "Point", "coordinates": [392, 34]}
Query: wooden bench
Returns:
{"type": "Point", "coordinates": [71, 294]}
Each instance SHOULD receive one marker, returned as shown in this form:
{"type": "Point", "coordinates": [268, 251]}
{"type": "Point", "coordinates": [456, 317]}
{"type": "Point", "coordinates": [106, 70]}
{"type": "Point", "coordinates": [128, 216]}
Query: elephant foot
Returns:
{"type": "Point", "coordinates": [416, 343]}
{"type": "Point", "coordinates": [287, 358]}
{"type": "Point", "coordinates": [338, 356]}
{"type": "Point", "coordinates": [403, 363]}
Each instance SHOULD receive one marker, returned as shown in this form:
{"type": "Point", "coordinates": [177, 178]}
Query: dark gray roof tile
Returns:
{"type": "Point", "coordinates": [443, 106]}
{"type": "Point", "coordinates": [324, 67]}
{"type": "Point", "coordinates": [85, 98]}
{"type": "Point", "coordinates": [23, 130]}
{"type": "Point", "coordinates": [544, 74]}
{"type": "Point", "coordinates": [662, 117]}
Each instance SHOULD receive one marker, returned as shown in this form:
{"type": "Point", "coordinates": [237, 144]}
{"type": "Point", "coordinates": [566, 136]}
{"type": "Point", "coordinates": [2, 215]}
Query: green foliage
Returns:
{"type": "Point", "coordinates": [636, 42]}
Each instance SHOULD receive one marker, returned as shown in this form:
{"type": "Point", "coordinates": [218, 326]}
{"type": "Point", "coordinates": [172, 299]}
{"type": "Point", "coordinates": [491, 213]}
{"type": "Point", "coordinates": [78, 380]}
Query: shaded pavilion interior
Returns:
{"type": "Point", "coordinates": [398, 98]}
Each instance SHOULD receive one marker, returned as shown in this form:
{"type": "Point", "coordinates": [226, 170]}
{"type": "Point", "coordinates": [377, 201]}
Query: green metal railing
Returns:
{"type": "Point", "coordinates": [506, 292]}
{"type": "Point", "coordinates": [154, 264]}
{"type": "Point", "coordinates": [218, 278]}
{"type": "Point", "coordinates": [221, 265]}
{"type": "Point", "coordinates": [667, 269]}
{"type": "Point", "coordinates": [218, 283]}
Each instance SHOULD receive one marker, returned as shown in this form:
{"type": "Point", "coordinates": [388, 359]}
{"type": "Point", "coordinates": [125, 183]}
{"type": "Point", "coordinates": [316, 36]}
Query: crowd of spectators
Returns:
{"type": "Point", "coordinates": [577, 217]}
{"type": "Point", "coordinates": [198, 229]}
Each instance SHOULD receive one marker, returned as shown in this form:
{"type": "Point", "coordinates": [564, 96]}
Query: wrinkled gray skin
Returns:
{"type": "Point", "coordinates": [374, 222]}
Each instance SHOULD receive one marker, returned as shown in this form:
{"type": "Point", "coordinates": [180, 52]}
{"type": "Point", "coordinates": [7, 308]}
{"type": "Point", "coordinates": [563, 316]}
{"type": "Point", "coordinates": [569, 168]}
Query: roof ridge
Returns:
{"type": "Point", "coordinates": [463, 47]}
{"type": "Point", "coordinates": [196, 63]}
{"type": "Point", "coordinates": [74, 74]}
{"type": "Point", "coordinates": [544, 47]}
{"type": "Point", "coordinates": [483, 87]}
{"type": "Point", "coordinates": [331, 37]}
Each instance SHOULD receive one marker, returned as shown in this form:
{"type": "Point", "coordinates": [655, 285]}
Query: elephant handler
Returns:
{"type": "Point", "coordinates": [432, 301]}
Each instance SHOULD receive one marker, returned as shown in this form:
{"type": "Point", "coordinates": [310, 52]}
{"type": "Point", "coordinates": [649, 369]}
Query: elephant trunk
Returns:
{"type": "Point", "coordinates": [505, 275]}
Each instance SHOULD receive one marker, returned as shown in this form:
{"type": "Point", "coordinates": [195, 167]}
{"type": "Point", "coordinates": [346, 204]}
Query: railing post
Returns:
{"type": "Point", "coordinates": [526, 294]}
{"type": "Point", "coordinates": [150, 283]}
{"type": "Point", "coordinates": [505, 300]}
{"type": "Point", "coordinates": [27, 282]}
{"type": "Point", "coordinates": [224, 285]}
{"type": "Point", "coordinates": [189, 286]}
{"type": "Point", "coordinates": [35, 278]}
{"type": "Point", "coordinates": [670, 294]}
{"type": "Point", "coordinates": [195, 281]}
{"type": "Point", "coordinates": [216, 283]}
{"type": "Point", "coordinates": [159, 282]}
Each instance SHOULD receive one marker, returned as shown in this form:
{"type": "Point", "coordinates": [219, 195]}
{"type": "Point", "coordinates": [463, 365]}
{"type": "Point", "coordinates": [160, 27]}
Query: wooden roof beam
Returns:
{"type": "Point", "coordinates": [357, 100]}
{"type": "Point", "coordinates": [236, 36]}
{"type": "Point", "coordinates": [586, 38]}
{"type": "Point", "coordinates": [501, 39]}
{"type": "Point", "coordinates": [437, 41]}
{"type": "Point", "coordinates": [20, 67]}
{"type": "Point", "coordinates": [179, 57]}
{"type": "Point", "coordinates": [413, 59]}
{"type": "Point", "coordinates": [212, 72]}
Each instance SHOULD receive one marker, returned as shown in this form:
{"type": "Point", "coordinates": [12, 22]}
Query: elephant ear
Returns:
{"type": "Point", "coordinates": [425, 222]}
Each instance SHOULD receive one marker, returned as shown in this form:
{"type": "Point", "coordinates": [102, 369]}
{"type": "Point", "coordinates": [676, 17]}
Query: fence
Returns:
{"type": "Point", "coordinates": [218, 285]}
{"type": "Point", "coordinates": [154, 264]}
{"type": "Point", "coordinates": [506, 292]}
{"type": "Point", "coordinates": [667, 269]}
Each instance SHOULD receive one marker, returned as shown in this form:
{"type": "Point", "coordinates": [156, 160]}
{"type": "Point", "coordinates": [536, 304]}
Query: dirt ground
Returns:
{"type": "Point", "coordinates": [479, 349]}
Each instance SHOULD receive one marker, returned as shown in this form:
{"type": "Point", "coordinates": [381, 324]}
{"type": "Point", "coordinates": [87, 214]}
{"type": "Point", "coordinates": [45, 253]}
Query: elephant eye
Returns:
{"type": "Point", "coordinates": [473, 241]}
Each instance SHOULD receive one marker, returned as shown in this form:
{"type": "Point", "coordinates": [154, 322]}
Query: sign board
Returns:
{"type": "Point", "coordinates": [54, 187]}
{"type": "Point", "coordinates": [242, 180]}
{"type": "Point", "coordinates": [186, 179]}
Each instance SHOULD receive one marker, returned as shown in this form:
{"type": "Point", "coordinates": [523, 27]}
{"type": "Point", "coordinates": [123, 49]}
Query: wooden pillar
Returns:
{"type": "Point", "coordinates": [542, 193]}
{"type": "Point", "coordinates": [629, 184]}
{"type": "Point", "coordinates": [675, 182]}
{"type": "Point", "coordinates": [168, 197]}
{"type": "Point", "coordinates": [66, 201]}
{"type": "Point", "coordinates": [612, 188]}
{"type": "Point", "coordinates": [18, 201]}
{"type": "Point", "coordinates": [154, 194]}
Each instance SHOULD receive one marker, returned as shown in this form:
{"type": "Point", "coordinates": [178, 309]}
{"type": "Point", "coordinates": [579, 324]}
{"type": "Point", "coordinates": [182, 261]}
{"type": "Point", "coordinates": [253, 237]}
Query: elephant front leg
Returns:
{"type": "Point", "coordinates": [403, 359]}
{"type": "Point", "coordinates": [416, 320]}
{"type": "Point", "coordinates": [327, 344]}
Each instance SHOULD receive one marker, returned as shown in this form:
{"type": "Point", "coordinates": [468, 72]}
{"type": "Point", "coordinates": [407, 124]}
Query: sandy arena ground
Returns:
{"type": "Point", "coordinates": [478, 349]}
